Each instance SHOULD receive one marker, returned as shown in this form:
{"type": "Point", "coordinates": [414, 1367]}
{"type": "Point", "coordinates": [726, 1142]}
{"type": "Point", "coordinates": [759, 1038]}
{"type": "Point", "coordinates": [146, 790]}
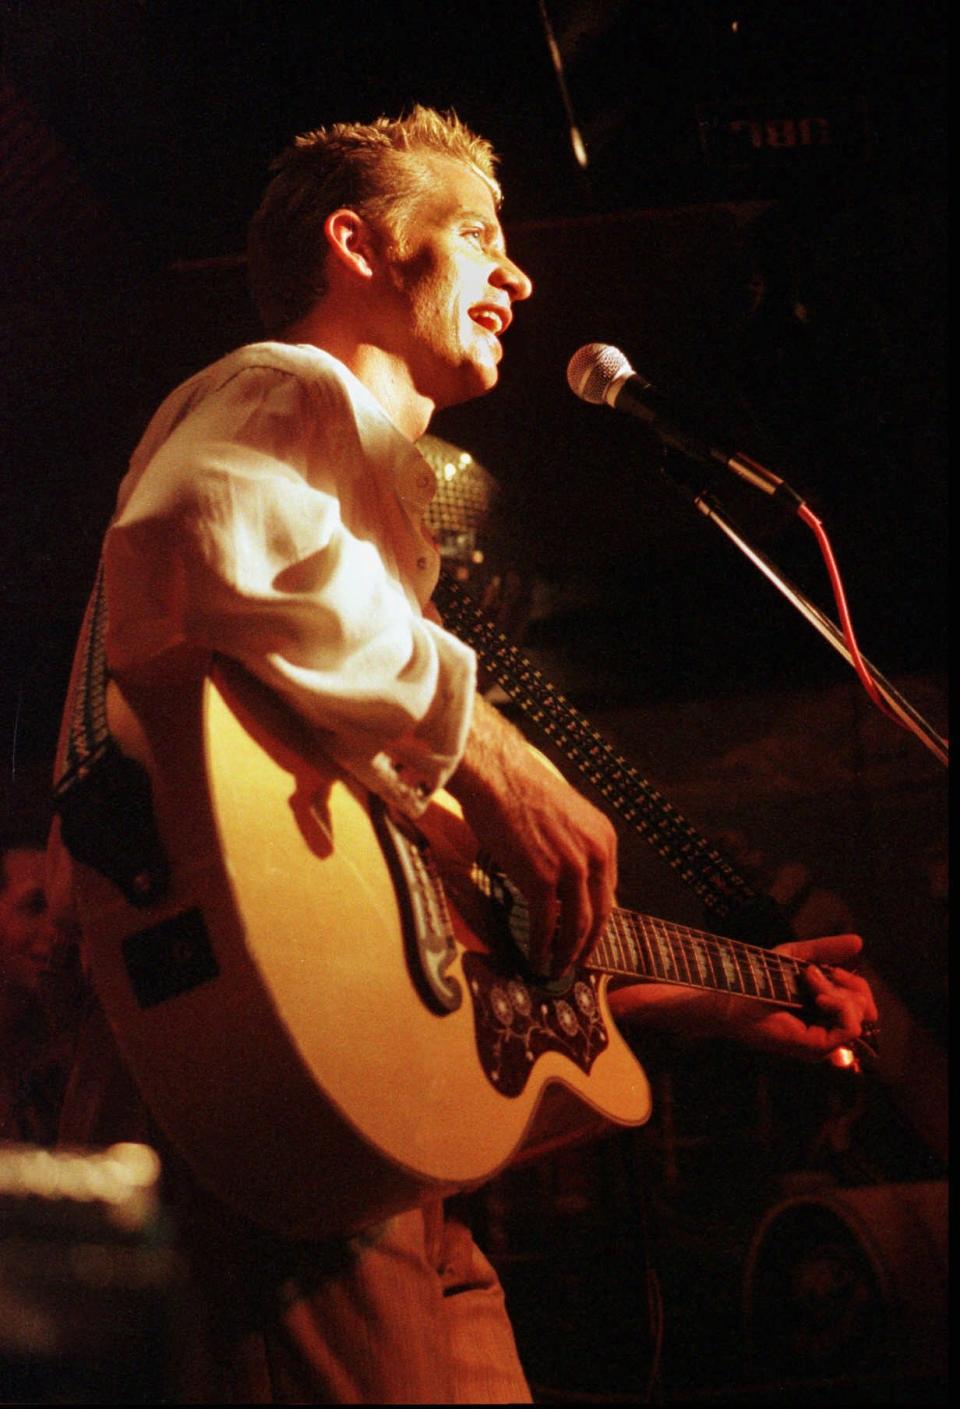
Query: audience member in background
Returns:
{"type": "Point", "coordinates": [39, 998]}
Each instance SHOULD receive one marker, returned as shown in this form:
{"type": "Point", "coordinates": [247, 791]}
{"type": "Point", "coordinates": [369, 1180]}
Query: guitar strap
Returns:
{"type": "Point", "coordinates": [747, 914]}
{"type": "Point", "coordinates": [102, 797]}
{"type": "Point", "coordinates": [104, 802]}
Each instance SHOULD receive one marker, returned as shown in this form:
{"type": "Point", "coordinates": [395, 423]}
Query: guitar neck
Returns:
{"type": "Point", "coordinates": [640, 947]}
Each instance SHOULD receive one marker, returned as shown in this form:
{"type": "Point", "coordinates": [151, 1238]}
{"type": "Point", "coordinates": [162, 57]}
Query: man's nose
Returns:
{"type": "Point", "coordinates": [511, 277]}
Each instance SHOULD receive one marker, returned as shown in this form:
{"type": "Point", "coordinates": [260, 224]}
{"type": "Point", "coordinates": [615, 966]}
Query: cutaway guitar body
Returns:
{"type": "Point", "coordinates": [319, 1031]}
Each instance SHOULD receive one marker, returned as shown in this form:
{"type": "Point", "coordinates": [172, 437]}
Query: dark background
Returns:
{"type": "Point", "coordinates": [792, 293]}
{"type": "Point", "coordinates": [794, 296]}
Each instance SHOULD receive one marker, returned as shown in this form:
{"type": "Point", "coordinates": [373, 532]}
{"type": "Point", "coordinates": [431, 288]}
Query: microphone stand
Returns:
{"type": "Point", "coordinates": [708, 506]}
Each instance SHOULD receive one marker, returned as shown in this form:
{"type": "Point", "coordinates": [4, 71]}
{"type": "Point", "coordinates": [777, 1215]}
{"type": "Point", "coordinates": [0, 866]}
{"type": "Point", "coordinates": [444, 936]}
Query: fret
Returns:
{"type": "Point", "coordinates": [641, 951]}
{"type": "Point", "coordinates": [617, 934]}
{"type": "Point", "coordinates": [640, 945]}
{"type": "Point", "coordinates": [625, 923]}
{"type": "Point", "coordinates": [681, 963]}
{"type": "Point", "coordinates": [777, 985]}
{"type": "Point", "coordinates": [646, 948]}
{"type": "Point", "coordinates": [605, 954]}
{"type": "Point", "coordinates": [737, 961]}
{"type": "Point", "coordinates": [602, 956]}
{"type": "Point", "coordinates": [701, 959]}
{"type": "Point", "coordinates": [758, 983]}
{"type": "Point", "coordinates": [789, 979]}
{"type": "Point", "coordinates": [729, 977]}
{"type": "Point", "coordinates": [667, 968]}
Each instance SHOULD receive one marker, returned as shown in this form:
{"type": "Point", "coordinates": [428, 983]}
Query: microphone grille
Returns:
{"type": "Point", "coordinates": [593, 368]}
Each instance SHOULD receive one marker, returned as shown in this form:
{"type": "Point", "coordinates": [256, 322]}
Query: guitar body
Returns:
{"type": "Point", "coordinates": [323, 1037]}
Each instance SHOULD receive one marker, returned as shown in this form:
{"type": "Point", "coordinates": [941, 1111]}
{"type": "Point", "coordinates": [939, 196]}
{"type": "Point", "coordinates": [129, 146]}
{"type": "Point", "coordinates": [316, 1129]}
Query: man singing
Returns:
{"type": "Point", "coordinates": [272, 514]}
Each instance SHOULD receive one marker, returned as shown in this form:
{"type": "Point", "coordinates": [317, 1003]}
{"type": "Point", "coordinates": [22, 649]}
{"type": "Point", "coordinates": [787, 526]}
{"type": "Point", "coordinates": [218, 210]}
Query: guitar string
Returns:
{"type": "Point", "coordinates": [636, 944]}
{"type": "Point", "coordinates": [771, 976]}
{"type": "Point", "coordinates": [689, 853]}
{"type": "Point", "coordinates": [756, 963]}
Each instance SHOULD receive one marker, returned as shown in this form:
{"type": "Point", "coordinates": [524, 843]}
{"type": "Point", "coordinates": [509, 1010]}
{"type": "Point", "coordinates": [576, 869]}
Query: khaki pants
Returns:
{"type": "Point", "coordinates": [410, 1312]}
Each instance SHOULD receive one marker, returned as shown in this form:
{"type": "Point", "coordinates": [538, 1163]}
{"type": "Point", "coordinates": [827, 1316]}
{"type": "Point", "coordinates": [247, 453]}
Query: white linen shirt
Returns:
{"type": "Point", "coordinates": [271, 513]}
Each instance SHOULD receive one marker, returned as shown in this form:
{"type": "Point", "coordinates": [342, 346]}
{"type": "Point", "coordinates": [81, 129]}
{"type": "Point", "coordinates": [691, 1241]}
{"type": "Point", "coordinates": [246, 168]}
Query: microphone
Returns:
{"type": "Point", "coordinates": [602, 375]}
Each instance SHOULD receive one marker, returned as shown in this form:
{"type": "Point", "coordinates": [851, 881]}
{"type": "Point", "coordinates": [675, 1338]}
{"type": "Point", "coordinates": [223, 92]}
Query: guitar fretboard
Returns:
{"type": "Point", "coordinates": [639, 946]}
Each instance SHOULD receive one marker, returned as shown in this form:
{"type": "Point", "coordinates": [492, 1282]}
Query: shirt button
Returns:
{"type": "Point", "coordinates": [421, 563]}
{"type": "Point", "coordinates": [426, 480]}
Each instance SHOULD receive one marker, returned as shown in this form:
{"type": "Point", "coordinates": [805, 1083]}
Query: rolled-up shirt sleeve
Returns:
{"type": "Point", "coordinates": [265, 524]}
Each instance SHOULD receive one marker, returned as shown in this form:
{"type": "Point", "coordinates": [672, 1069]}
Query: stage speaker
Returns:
{"type": "Point", "coordinates": [846, 1288]}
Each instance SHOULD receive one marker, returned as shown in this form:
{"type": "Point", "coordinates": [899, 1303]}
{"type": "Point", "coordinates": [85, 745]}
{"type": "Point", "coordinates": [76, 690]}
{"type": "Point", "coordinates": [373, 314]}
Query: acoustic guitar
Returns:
{"type": "Point", "coordinates": [329, 1012]}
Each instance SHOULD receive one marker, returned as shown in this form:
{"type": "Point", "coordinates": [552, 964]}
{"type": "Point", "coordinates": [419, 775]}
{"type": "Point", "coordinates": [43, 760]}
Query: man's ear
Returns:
{"type": "Point", "coordinates": [351, 241]}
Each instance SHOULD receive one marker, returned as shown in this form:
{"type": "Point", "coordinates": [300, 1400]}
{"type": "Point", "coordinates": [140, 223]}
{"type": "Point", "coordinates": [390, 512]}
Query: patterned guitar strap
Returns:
{"type": "Point", "coordinates": [104, 802]}
{"type": "Point", "coordinates": [102, 797]}
{"type": "Point", "coordinates": [746, 913]}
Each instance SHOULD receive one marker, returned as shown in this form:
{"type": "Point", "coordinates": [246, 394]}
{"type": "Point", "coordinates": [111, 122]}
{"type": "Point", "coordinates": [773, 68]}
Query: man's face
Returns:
{"type": "Point", "coordinates": [451, 286]}
{"type": "Point", "coordinates": [25, 931]}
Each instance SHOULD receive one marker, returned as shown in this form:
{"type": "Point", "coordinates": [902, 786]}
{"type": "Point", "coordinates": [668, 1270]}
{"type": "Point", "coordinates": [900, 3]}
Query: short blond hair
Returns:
{"type": "Point", "coordinates": [365, 167]}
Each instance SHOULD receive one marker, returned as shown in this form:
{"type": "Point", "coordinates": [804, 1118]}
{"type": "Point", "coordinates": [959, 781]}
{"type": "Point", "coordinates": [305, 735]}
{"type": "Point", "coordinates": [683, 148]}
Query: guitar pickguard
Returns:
{"type": "Point", "coordinates": [431, 948]}
{"type": "Point", "coordinates": [517, 1022]}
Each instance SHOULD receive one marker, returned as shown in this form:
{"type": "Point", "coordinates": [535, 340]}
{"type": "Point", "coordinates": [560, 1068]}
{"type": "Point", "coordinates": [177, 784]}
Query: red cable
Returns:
{"type": "Point", "coordinates": [859, 664]}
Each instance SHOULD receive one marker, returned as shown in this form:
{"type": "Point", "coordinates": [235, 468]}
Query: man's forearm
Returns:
{"type": "Point", "coordinates": [494, 752]}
